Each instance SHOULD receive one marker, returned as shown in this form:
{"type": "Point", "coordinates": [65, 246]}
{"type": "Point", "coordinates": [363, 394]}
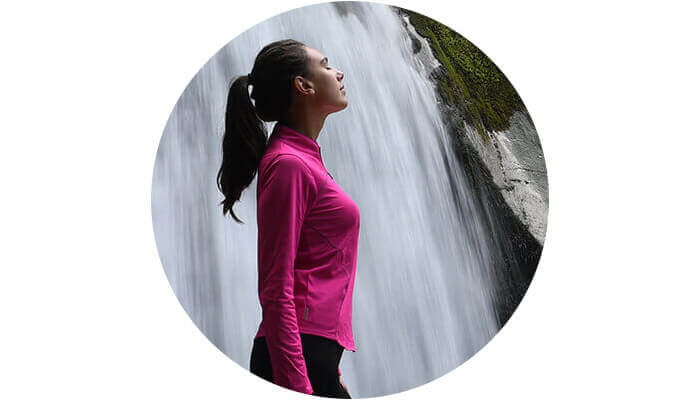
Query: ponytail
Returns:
{"type": "Point", "coordinates": [245, 137]}
{"type": "Point", "coordinates": [244, 143]}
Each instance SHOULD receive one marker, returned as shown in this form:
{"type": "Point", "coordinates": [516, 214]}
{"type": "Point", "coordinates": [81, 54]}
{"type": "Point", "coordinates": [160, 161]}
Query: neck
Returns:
{"type": "Point", "coordinates": [307, 124]}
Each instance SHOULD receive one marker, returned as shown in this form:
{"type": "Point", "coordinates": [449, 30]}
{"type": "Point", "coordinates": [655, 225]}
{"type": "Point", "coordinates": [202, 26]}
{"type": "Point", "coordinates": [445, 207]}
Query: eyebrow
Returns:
{"type": "Point", "coordinates": [324, 59]}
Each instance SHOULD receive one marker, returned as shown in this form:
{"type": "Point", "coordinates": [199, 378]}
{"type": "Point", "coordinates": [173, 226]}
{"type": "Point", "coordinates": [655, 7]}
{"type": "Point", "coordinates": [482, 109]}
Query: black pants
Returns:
{"type": "Point", "coordinates": [322, 357]}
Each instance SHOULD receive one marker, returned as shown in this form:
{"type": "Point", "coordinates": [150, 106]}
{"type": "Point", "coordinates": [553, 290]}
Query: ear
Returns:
{"type": "Point", "coordinates": [303, 86]}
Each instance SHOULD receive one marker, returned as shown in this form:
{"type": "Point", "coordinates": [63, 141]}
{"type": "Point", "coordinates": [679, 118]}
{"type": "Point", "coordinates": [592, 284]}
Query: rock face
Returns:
{"type": "Point", "coordinates": [505, 167]}
{"type": "Point", "coordinates": [516, 163]}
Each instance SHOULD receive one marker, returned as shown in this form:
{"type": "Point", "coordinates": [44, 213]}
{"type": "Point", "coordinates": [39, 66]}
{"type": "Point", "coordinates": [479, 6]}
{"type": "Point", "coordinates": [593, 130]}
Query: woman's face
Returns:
{"type": "Point", "coordinates": [329, 92]}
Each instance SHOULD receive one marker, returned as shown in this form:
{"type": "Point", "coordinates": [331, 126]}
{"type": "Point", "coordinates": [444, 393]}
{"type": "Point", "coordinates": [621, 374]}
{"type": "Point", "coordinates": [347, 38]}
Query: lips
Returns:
{"type": "Point", "coordinates": [342, 87]}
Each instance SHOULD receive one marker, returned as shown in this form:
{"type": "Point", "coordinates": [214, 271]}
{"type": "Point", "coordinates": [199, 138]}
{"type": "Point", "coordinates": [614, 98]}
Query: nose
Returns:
{"type": "Point", "coordinates": [341, 75]}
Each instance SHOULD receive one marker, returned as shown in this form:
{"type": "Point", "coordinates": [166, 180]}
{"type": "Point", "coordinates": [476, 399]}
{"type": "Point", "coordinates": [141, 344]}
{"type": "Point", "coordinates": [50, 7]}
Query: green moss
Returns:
{"type": "Point", "coordinates": [472, 82]}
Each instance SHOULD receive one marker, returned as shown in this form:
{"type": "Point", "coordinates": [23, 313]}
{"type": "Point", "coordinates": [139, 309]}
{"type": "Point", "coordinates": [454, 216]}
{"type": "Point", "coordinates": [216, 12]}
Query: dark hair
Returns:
{"type": "Point", "coordinates": [245, 136]}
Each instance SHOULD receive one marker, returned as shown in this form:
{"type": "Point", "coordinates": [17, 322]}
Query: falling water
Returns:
{"type": "Point", "coordinates": [423, 301]}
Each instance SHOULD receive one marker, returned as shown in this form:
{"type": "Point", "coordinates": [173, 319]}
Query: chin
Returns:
{"type": "Point", "coordinates": [340, 107]}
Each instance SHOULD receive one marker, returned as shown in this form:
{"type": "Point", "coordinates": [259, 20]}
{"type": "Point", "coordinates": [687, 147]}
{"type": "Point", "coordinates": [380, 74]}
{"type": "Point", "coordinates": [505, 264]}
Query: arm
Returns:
{"type": "Point", "coordinates": [286, 192]}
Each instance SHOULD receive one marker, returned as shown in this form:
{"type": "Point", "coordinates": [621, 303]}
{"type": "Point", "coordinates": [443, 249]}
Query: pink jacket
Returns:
{"type": "Point", "coordinates": [308, 231]}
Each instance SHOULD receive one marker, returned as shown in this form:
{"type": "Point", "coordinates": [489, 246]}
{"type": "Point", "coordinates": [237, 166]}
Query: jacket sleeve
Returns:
{"type": "Point", "coordinates": [287, 190]}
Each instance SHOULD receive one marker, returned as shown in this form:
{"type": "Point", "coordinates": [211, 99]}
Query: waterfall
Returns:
{"type": "Point", "coordinates": [424, 297]}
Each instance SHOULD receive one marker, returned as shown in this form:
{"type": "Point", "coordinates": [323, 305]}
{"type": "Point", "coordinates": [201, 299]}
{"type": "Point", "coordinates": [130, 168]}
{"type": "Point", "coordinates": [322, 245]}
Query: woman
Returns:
{"type": "Point", "coordinates": [308, 227]}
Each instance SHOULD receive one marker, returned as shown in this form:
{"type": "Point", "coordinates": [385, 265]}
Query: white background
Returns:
{"type": "Point", "coordinates": [86, 89]}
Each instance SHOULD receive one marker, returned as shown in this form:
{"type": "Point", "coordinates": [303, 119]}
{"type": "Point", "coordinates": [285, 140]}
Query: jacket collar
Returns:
{"type": "Point", "coordinates": [296, 140]}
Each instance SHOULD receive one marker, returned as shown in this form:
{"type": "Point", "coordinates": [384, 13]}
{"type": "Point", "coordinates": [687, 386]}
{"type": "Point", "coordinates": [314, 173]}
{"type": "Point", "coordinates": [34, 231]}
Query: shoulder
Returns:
{"type": "Point", "coordinates": [287, 166]}
{"type": "Point", "coordinates": [289, 162]}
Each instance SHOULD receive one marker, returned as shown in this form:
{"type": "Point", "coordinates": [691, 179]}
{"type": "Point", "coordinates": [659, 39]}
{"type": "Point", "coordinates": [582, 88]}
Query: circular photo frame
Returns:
{"type": "Point", "coordinates": [350, 199]}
